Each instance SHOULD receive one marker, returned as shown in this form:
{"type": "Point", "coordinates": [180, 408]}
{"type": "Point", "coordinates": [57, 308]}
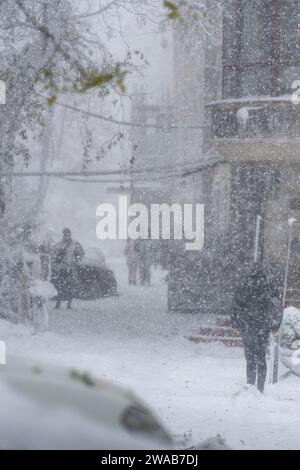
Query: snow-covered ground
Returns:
{"type": "Point", "coordinates": [197, 390]}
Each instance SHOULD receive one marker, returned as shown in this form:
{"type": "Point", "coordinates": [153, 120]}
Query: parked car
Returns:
{"type": "Point", "coordinates": [94, 278]}
{"type": "Point", "coordinates": [95, 281]}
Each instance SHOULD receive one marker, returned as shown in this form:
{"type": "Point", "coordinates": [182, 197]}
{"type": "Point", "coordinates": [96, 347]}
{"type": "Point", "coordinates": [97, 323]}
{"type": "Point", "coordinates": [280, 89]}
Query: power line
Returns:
{"type": "Point", "coordinates": [117, 181]}
{"type": "Point", "coordinates": [135, 172]}
{"type": "Point", "coordinates": [123, 122]}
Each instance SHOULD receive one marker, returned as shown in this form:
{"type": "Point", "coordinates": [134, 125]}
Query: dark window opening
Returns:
{"type": "Point", "coordinates": [261, 47]}
{"type": "Point", "coordinates": [295, 204]}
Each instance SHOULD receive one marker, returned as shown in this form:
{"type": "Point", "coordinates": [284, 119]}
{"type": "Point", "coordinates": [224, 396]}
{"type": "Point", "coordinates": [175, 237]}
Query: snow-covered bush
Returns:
{"type": "Point", "coordinates": [21, 266]}
{"type": "Point", "coordinates": [290, 328]}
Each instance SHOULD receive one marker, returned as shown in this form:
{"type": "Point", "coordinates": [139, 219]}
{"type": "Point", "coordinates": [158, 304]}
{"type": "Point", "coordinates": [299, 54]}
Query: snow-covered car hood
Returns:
{"type": "Point", "coordinates": [47, 408]}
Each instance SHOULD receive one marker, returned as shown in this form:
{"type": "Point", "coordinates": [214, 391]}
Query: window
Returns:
{"type": "Point", "coordinates": [256, 80]}
{"type": "Point", "coordinates": [290, 42]}
{"type": "Point", "coordinates": [229, 39]}
{"type": "Point", "coordinates": [256, 40]}
{"type": "Point", "coordinates": [290, 30]}
{"type": "Point", "coordinates": [261, 47]}
{"type": "Point", "coordinates": [295, 204]}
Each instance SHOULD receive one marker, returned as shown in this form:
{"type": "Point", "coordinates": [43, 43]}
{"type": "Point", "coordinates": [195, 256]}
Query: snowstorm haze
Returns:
{"type": "Point", "coordinates": [154, 81]}
{"type": "Point", "coordinates": [149, 228]}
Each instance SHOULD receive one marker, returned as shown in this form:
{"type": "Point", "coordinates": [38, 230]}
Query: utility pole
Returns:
{"type": "Point", "coordinates": [2, 191]}
{"type": "Point", "coordinates": [277, 339]}
{"type": "Point", "coordinates": [257, 237]}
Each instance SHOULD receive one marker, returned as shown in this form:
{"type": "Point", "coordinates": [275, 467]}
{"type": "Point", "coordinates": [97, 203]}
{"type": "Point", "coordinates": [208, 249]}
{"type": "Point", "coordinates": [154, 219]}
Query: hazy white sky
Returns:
{"type": "Point", "coordinates": [74, 204]}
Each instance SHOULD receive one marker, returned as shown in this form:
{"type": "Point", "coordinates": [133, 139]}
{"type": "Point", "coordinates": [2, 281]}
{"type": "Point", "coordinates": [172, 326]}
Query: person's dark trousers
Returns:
{"type": "Point", "coordinates": [255, 346]}
{"type": "Point", "coordinates": [142, 272]}
{"type": "Point", "coordinates": [59, 300]}
{"type": "Point", "coordinates": [65, 281]}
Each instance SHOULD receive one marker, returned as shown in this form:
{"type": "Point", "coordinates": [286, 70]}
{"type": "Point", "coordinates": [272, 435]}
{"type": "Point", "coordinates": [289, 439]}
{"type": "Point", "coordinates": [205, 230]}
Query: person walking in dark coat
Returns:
{"type": "Point", "coordinates": [66, 256]}
{"type": "Point", "coordinates": [250, 315]}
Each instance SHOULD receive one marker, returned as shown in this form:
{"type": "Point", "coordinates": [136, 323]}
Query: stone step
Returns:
{"type": "Point", "coordinates": [220, 331]}
{"type": "Point", "coordinates": [227, 341]}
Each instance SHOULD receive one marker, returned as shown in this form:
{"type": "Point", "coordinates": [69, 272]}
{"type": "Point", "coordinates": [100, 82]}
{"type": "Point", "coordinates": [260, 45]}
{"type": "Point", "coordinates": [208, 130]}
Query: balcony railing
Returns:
{"type": "Point", "coordinates": [256, 117]}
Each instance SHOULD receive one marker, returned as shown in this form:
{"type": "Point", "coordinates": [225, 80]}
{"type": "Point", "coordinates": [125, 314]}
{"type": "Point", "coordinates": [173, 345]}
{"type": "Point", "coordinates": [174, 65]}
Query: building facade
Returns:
{"type": "Point", "coordinates": [241, 90]}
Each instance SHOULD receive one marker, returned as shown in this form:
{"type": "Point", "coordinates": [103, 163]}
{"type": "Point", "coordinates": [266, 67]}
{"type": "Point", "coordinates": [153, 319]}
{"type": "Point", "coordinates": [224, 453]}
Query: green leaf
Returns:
{"type": "Point", "coordinates": [173, 10]}
{"type": "Point", "coordinates": [52, 100]}
{"type": "Point", "coordinates": [95, 80]}
{"type": "Point", "coordinates": [83, 377]}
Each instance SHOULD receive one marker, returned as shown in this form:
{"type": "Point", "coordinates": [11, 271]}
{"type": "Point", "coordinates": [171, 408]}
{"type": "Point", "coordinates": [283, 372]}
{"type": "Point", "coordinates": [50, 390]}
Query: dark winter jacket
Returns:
{"type": "Point", "coordinates": [252, 303]}
{"type": "Point", "coordinates": [68, 254]}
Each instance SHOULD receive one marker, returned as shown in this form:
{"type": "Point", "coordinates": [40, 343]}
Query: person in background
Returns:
{"type": "Point", "coordinates": [66, 256]}
{"type": "Point", "coordinates": [251, 307]}
{"type": "Point", "coordinates": [144, 252]}
{"type": "Point", "coordinates": [132, 261]}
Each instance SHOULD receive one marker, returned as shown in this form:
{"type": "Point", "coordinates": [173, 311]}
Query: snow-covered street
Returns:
{"type": "Point", "coordinates": [197, 390]}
